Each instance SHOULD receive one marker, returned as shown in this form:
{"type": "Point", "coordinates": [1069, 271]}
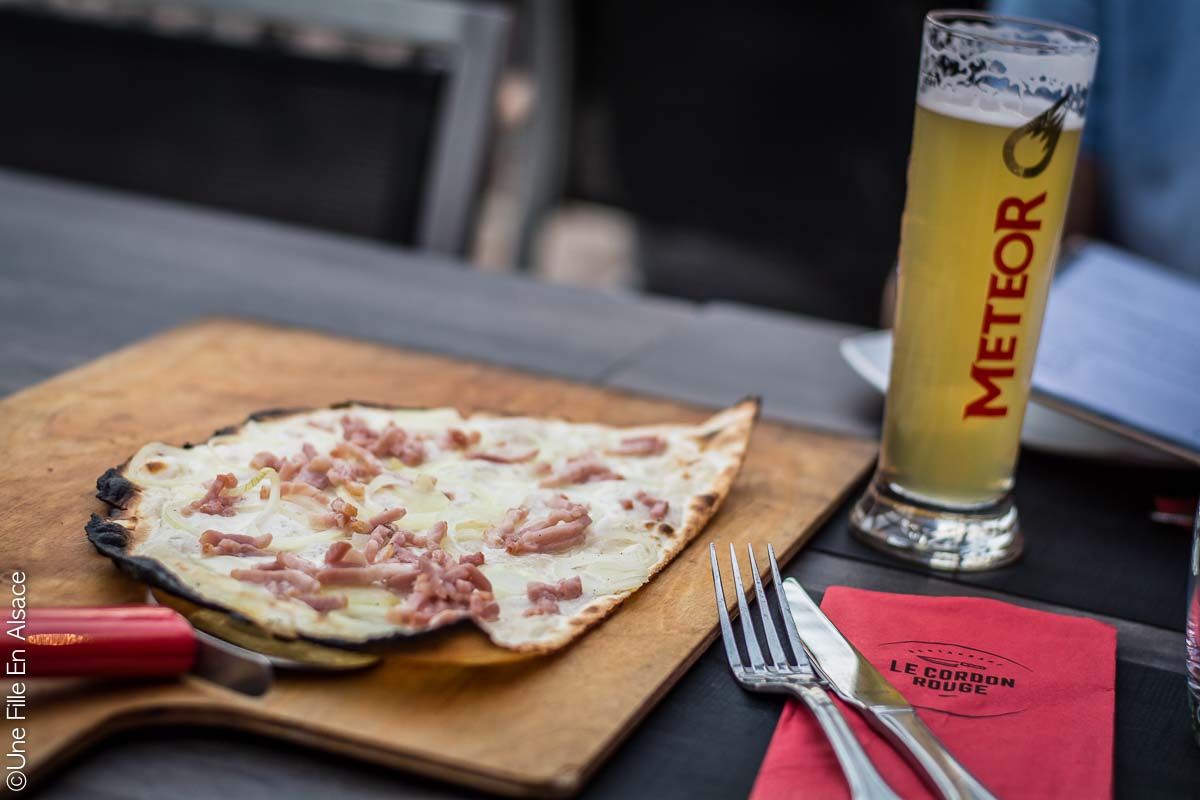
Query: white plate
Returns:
{"type": "Point", "coordinates": [870, 355]}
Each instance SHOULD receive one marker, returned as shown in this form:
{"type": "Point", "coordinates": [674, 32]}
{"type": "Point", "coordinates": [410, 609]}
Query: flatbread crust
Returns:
{"type": "Point", "coordinates": [123, 533]}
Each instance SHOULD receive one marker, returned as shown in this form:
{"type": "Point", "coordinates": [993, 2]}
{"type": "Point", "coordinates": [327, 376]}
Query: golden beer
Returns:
{"type": "Point", "coordinates": [1000, 111]}
{"type": "Point", "coordinates": [957, 178]}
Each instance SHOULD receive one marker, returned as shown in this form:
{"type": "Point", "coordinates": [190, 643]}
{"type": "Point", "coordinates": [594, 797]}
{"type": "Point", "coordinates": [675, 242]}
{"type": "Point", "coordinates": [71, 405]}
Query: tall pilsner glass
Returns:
{"type": "Point", "coordinates": [1000, 111]}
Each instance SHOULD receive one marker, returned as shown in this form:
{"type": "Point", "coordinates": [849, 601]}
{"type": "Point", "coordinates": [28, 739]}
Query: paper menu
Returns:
{"type": "Point", "coordinates": [1121, 347]}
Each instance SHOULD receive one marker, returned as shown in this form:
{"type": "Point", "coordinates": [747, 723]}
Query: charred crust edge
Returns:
{"type": "Point", "coordinates": [273, 413]}
{"type": "Point", "coordinates": [112, 539]}
{"type": "Point", "coordinates": [109, 538]}
{"type": "Point", "coordinates": [371, 404]}
{"type": "Point", "coordinates": [150, 572]}
{"type": "Point", "coordinates": [756, 401]}
{"type": "Point", "coordinates": [114, 488]}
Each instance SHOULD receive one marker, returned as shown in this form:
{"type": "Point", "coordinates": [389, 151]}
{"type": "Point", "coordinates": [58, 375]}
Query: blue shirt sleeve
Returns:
{"type": "Point", "coordinates": [1079, 13]}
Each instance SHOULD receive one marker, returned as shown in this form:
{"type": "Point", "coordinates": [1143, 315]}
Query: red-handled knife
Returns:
{"type": "Point", "coordinates": [132, 642]}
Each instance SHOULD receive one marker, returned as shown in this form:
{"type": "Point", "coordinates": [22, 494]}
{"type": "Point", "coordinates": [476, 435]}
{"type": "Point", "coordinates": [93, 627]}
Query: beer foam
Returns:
{"type": "Point", "coordinates": [998, 75]}
{"type": "Point", "coordinates": [992, 111]}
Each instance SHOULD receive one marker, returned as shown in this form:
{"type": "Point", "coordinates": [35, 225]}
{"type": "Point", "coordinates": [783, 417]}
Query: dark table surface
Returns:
{"type": "Point", "coordinates": [83, 272]}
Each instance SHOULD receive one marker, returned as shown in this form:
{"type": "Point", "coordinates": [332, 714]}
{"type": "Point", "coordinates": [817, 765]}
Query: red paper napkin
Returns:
{"type": "Point", "coordinates": [1023, 699]}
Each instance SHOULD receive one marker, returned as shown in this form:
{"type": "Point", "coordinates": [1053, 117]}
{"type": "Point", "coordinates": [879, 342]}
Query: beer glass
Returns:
{"type": "Point", "coordinates": [1000, 110]}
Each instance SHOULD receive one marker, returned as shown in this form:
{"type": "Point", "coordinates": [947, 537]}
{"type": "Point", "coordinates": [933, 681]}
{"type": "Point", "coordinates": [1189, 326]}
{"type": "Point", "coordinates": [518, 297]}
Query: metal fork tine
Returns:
{"type": "Point", "coordinates": [752, 649]}
{"type": "Point", "coordinates": [731, 651]}
{"type": "Point", "coordinates": [786, 611]}
{"type": "Point", "coordinates": [778, 659]}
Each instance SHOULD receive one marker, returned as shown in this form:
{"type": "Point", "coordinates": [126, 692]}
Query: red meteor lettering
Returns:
{"type": "Point", "coordinates": [1011, 256]}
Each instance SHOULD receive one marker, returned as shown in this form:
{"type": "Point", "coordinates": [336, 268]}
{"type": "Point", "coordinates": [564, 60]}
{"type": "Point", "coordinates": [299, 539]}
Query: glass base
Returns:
{"type": "Point", "coordinates": [961, 541]}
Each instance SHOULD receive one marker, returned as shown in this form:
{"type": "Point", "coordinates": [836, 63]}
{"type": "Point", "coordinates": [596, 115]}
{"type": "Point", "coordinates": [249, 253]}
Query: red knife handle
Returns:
{"type": "Point", "coordinates": [125, 641]}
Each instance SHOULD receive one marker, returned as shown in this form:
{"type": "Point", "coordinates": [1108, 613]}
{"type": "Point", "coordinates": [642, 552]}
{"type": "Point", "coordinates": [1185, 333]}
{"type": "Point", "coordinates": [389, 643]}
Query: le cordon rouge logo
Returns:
{"type": "Point", "coordinates": [957, 679]}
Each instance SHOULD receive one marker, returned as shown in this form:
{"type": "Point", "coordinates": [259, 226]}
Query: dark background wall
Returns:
{"type": "Point", "coordinates": [762, 146]}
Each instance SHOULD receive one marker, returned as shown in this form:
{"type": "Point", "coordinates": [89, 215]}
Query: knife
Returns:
{"type": "Point", "coordinates": [856, 681]}
{"type": "Point", "coordinates": [130, 642]}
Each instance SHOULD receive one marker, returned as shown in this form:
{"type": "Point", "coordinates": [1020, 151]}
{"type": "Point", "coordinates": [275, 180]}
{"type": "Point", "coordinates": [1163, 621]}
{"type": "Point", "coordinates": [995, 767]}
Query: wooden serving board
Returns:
{"type": "Point", "coordinates": [453, 707]}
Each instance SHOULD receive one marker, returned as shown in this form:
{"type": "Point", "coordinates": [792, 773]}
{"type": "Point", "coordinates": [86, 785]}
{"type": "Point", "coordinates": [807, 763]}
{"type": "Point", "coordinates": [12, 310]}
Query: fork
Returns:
{"type": "Point", "coordinates": [782, 677]}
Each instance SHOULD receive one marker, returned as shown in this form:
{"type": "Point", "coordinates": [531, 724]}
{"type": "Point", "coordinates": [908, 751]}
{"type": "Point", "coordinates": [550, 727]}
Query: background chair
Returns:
{"type": "Point", "coordinates": [368, 117]}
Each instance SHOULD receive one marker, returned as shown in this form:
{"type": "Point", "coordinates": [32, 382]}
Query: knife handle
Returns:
{"type": "Point", "coordinates": [124, 641]}
{"type": "Point", "coordinates": [949, 777]}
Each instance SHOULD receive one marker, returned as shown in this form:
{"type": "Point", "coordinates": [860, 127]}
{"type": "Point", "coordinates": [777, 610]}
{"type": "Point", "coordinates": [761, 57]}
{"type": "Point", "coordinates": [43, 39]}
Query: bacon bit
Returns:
{"type": "Point", "coordinates": [341, 515]}
{"type": "Point", "coordinates": [626, 504]}
{"type": "Point", "coordinates": [291, 561]}
{"type": "Point", "coordinates": [483, 605]}
{"type": "Point", "coordinates": [366, 465]}
{"type": "Point", "coordinates": [394, 441]}
{"type": "Point", "coordinates": [306, 466]}
{"type": "Point", "coordinates": [456, 439]}
{"type": "Point", "coordinates": [216, 543]}
{"type": "Point", "coordinates": [413, 454]}
{"type": "Point", "coordinates": [324, 603]}
{"type": "Point", "coordinates": [280, 582]}
{"type": "Point", "coordinates": [385, 517]}
{"type": "Point", "coordinates": [472, 558]}
{"type": "Point", "coordinates": [377, 539]}
{"type": "Point", "coordinates": [658, 508]}
{"type": "Point", "coordinates": [342, 473]}
{"type": "Point", "coordinates": [321, 425]}
{"type": "Point", "coordinates": [563, 528]}
{"type": "Point", "coordinates": [289, 468]}
{"type": "Point", "coordinates": [445, 591]}
{"type": "Point", "coordinates": [435, 534]}
{"type": "Point", "coordinates": [432, 538]}
{"type": "Point", "coordinates": [264, 458]}
{"type": "Point", "coordinates": [307, 489]}
{"type": "Point", "coordinates": [398, 552]}
{"type": "Point", "coordinates": [505, 457]}
{"type": "Point", "coordinates": [384, 536]}
{"type": "Point", "coordinates": [291, 576]}
{"type": "Point", "coordinates": [391, 441]}
{"type": "Point", "coordinates": [545, 596]}
{"type": "Point", "coordinates": [396, 576]}
{"type": "Point", "coordinates": [343, 554]}
{"type": "Point", "coordinates": [500, 534]}
{"type": "Point", "coordinates": [542, 468]}
{"type": "Point", "coordinates": [640, 446]}
{"type": "Point", "coordinates": [214, 503]}
{"type": "Point", "coordinates": [580, 469]}
{"type": "Point", "coordinates": [357, 431]}
{"type": "Point", "coordinates": [314, 473]}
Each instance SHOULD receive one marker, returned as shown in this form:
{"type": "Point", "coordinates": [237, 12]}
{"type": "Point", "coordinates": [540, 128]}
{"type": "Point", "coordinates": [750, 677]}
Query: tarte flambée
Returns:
{"type": "Point", "coordinates": [356, 524]}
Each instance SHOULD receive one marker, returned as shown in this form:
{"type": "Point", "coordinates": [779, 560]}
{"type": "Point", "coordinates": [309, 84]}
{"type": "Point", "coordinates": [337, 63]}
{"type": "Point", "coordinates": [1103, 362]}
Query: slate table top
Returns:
{"type": "Point", "coordinates": [85, 271]}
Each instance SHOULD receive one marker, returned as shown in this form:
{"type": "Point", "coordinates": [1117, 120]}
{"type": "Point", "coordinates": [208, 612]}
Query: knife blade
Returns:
{"type": "Point", "coordinates": [856, 681]}
{"type": "Point", "coordinates": [288, 654]}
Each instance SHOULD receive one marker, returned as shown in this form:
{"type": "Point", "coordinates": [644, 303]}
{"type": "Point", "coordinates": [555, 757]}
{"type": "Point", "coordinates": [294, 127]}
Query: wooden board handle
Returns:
{"type": "Point", "coordinates": [124, 641]}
